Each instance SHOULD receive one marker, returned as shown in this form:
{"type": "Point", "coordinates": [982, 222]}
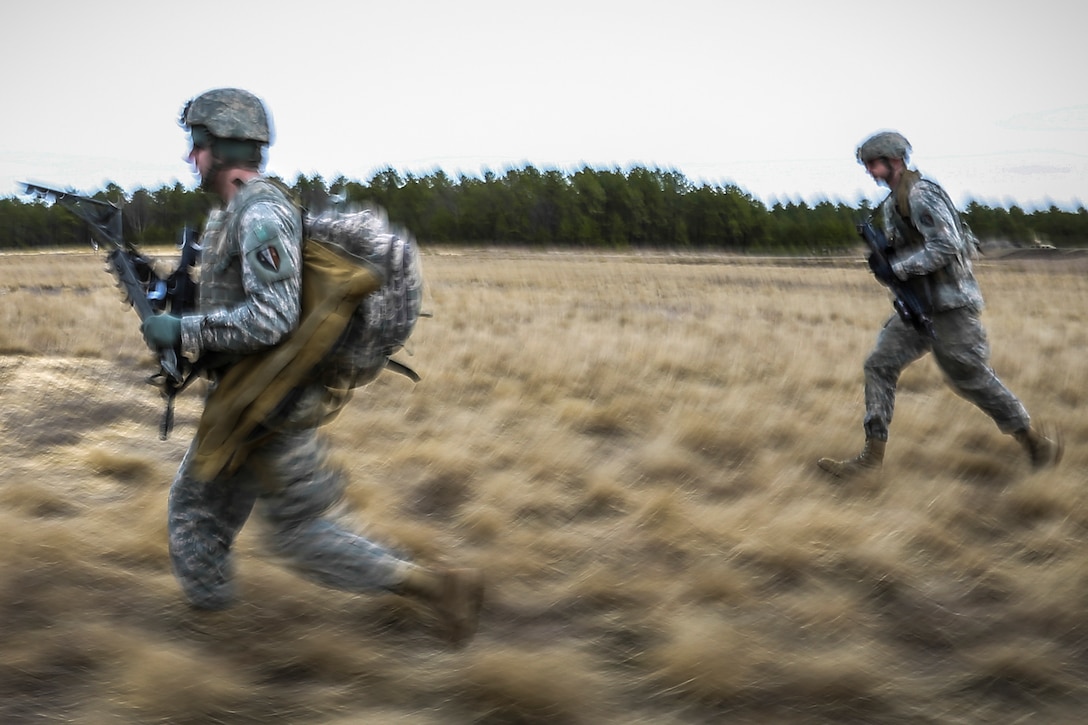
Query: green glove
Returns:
{"type": "Point", "coordinates": [162, 331]}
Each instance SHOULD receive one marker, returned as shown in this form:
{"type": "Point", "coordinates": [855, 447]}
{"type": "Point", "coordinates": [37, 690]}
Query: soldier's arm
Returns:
{"type": "Point", "coordinates": [936, 220]}
{"type": "Point", "coordinates": [270, 257]}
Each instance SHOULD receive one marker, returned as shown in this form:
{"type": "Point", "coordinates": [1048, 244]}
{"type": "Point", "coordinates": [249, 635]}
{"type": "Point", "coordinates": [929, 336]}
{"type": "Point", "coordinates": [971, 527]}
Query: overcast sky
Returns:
{"type": "Point", "coordinates": [771, 96]}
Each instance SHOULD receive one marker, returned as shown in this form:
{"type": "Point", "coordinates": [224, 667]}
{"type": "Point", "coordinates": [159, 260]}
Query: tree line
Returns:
{"type": "Point", "coordinates": [589, 208]}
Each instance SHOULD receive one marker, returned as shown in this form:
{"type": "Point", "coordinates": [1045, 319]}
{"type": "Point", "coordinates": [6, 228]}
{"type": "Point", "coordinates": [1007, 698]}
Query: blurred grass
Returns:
{"type": "Point", "coordinates": [625, 443]}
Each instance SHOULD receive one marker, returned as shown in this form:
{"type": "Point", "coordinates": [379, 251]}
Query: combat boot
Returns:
{"type": "Point", "coordinates": [454, 595]}
{"type": "Point", "coordinates": [1044, 452]}
{"type": "Point", "coordinates": [869, 461]}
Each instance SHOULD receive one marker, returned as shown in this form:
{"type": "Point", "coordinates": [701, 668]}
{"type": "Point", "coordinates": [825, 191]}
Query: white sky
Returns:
{"type": "Point", "coordinates": [771, 96]}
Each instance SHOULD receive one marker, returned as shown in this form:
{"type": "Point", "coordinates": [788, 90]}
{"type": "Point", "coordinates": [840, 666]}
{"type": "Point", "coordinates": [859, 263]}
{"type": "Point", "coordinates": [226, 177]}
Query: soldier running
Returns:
{"type": "Point", "coordinates": [248, 303]}
{"type": "Point", "coordinates": [931, 250]}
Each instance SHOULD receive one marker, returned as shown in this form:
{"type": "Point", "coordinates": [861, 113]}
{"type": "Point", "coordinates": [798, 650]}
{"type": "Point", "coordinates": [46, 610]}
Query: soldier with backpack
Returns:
{"type": "Point", "coordinates": [930, 250]}
{"type": "Point", "coordinates": [270, 310]}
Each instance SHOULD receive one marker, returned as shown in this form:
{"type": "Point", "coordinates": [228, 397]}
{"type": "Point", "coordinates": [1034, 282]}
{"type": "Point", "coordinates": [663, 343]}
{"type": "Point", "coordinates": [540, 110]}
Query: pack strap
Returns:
{"type": "Point", "coordinates": [170, 393]}
{"type": "Point", "coordinates": [902, 192]}
{"type": "Point", "coordinates": [397, 367]}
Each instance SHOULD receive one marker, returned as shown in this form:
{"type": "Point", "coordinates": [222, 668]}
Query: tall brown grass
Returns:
{"type": "Point", "coordinates": [626, 444]}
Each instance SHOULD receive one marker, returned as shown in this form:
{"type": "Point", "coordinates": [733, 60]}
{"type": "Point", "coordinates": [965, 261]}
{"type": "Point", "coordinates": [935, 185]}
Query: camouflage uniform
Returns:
{"type": "Point", "coordinates": [934, 251]}
{"type": "Point", "coordinates": [249, 299]}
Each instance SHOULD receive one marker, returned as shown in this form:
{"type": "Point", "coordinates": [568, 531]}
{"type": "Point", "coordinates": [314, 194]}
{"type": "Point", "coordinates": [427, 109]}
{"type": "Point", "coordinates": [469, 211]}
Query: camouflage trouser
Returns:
{"type": "Point", "coordinates": [963, 355]}
{"type": "Point", "coordinates": [294, 490]}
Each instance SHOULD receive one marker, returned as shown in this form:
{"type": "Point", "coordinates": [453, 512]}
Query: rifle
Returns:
{"type": "Point", "coordinates": [909, 306]}
{"type": "Point", "coordinates": [178, 289]}
{"type": "Point", "coordinates": [143, 288]}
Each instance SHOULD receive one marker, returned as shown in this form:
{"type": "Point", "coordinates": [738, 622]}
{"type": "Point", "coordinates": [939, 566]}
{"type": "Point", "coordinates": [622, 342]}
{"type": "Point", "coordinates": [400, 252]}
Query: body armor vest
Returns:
{"type": "Point", "coordinates": [220, 267]}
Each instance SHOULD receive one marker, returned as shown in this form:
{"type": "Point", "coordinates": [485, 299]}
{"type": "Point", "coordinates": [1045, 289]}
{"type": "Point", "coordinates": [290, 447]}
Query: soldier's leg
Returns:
{"type": "Point", "coordinates": [963, 354]}
{"type": "Point", "coordinates": [300, 490]}
{"type": "Point", "coordinates": [303, 490]}
{"type": "Point", "coordinates": [203, 520]}
{"type": "Point", "coordinates": [897, 346]}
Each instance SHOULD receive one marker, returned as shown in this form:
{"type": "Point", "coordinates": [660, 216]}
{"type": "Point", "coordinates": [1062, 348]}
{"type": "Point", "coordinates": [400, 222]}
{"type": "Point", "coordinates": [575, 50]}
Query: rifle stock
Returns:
{"type": "Point", "coordinates": [909, 306]}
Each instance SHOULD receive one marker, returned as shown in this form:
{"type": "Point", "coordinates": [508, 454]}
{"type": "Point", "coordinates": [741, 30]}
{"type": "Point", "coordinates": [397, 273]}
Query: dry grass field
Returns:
{"type": "Point", "coordinates": [626, 444]}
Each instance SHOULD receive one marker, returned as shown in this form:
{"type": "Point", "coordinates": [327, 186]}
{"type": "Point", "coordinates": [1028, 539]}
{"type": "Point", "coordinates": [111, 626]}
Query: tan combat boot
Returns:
{"type": "Point", "coordinates": [455, 596]}
{"type": "Point", "coordinates": [1043, 451]}
{"type": "Point", "coordinates": [868, 461]}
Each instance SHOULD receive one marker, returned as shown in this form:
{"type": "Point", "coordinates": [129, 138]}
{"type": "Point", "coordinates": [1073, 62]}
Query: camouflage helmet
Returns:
{"type": "Point", "coordinates": [885, 144]}
{"type": "Point", "coordinates": [229, 113]}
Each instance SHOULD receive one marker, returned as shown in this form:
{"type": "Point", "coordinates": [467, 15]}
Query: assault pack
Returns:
{"type": "Point", "coordinates": [360, 298]}
{"type": "Point", "coordinates": [384, 320]}
{"type": "Point", "coordinates": [361, 295]}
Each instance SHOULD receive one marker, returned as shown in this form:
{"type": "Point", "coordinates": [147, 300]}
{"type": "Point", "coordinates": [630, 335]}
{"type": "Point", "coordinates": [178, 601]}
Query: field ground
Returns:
{"type": "Point", "coordinates": [626, 444]}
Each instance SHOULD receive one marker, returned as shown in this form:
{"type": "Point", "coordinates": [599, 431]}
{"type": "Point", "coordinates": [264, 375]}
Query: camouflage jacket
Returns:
{"type": "Point", "coordinates": [932, 247]}
{"type": "Point", "coordinates": [250, 275]}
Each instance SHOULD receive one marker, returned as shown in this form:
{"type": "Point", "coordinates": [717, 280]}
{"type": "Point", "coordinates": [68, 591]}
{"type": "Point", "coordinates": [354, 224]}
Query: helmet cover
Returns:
{"type": "Point", "coordinates": [884, 144]}
{"type": "Point", "coordinates": [229, 113]}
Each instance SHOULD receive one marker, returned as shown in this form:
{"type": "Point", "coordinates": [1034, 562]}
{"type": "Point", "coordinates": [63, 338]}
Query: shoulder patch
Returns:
{"type": "Point", "coordinates": [265, 253]}
{"type": "Point", "coordinates": [269, 258]}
